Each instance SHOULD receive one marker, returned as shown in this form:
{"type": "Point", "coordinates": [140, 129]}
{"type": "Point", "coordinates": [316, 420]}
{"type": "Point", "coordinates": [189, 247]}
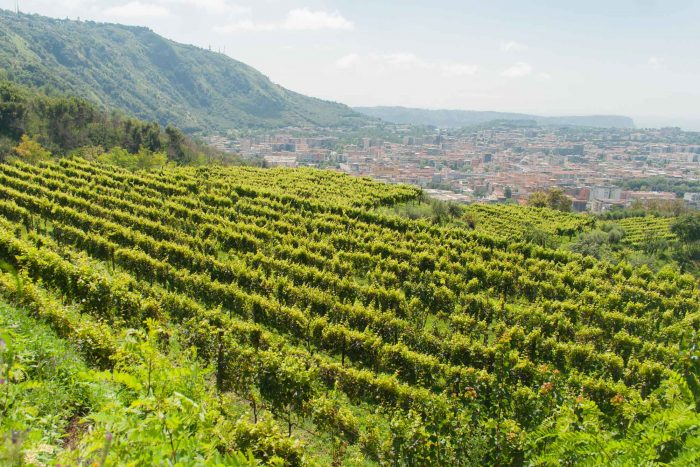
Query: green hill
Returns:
{"type": "Point", "coordinates": [64, 124]}
{"type": "Point", "coordinates": [333, 334]}
{"type": "Point", "coordinates": [153, 78]}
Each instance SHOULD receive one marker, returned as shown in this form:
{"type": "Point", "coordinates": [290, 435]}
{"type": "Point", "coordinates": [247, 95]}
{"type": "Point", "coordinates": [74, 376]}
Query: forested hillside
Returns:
{"type": "Point", "coordinates": [63, 124]}
{"type": "Point", "coordinates": [335, 334]}
{"type": "Point", "coordinates": [153, 78]}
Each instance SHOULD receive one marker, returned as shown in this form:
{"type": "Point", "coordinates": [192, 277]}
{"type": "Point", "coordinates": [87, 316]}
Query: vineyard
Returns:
{"type": "Point", "coordinates": [353, 337]}
{"type": "Point", "coordinates": [641, 229]}
{"type": "Point", "coordinates": [513, 221]}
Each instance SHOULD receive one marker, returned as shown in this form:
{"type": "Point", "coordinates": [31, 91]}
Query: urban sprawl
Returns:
{"type": "Point", "coordinates": [500, 163]}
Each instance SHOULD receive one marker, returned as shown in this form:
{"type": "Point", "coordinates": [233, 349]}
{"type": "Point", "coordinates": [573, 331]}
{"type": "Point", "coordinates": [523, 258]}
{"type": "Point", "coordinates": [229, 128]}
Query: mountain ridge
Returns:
{"type": "Point", "coordinates": [461, 118]}
{"type": "Point", "coordinates": [134, 69]}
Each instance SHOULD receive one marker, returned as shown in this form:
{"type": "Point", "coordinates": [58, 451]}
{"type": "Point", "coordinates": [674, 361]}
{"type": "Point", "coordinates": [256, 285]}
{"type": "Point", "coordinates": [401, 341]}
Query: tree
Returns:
{"type": "Point", "coordinates": [687, 228]}
{"type": "Point", "coordinates": [143, 160]}
{"type": "Point", "coordinates": [536, 236]}
{"type": "Point", "coordinates": [557, 199]}
{"type": "Point", "coordinates": [592, 244]}
{"type": "Point", "coordinates": [120, 157]}
{"type": "Point", "coordinates": [176, 146]}
{"type": "Point", "coordinates": [13, 110]}
{"type": "Point", "coordinates": [538, 199]}
{"type": "Point", "coordinates": [147, 159]}
{"type": "Point", "coordinates": [29, 150]}
{"type": "Point", "coordinates": [454, 209]}
{"type": "Point", "coordinates": [440, 212]}
{"type": "Point", "coordinates": [616, 235]}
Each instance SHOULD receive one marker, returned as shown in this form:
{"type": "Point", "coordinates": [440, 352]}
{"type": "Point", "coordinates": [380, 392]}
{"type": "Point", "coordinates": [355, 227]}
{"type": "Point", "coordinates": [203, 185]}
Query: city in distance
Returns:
{"type": "Point", "coordinates": [263, 233]}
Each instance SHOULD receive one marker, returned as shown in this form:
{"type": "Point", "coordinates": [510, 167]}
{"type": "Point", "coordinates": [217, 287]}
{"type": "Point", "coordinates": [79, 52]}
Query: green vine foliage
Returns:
{"type": "Point", "coordinates": [286, 315]}
{"type": "Point", "coordinates": [665, 432]}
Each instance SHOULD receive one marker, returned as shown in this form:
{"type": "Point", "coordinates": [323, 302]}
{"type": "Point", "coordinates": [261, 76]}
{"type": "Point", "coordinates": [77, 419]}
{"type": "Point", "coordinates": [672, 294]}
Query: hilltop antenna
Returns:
{"type": "Point", "coordinates": [17, 6]}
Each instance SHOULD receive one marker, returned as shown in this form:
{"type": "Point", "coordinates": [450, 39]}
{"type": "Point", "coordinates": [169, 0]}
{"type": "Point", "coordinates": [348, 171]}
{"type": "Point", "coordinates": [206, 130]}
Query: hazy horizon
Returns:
{"type": "Point", "coordinates": [635, 58]}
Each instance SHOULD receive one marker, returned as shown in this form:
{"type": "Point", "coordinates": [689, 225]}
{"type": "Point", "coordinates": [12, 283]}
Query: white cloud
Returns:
{"type": "Point", "coordinates": [512, 46]}
{"type": "Point", "coordinates": [72, 3]}
{"type": "Point", "coordinates": [458, 69]}
{"type": "Point", "coordinates": [301, 19]}
{"type": "Point", "coordinates": [518, 70]}
{"type": "Point", "coordinates": [218, 7]}
{"type": "Point", "coordinates": [405, 61]}
{"type": "Point", "coordinates": [245, 25]}
{"type": "Point", "coordinates": [545, 76]}
{"type": "Point", "coordinates": [137, 10]}
{"type": "Point", "coordinates": [655, 62]}
{"type": "Point", "coordinates": [348, 61]}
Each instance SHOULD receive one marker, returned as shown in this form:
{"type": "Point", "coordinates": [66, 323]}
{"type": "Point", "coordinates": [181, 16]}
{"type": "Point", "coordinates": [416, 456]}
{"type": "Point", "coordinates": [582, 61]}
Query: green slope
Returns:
{"type": "Point", "coordinates": [372, 338]}
{"type": "Point", "coordinates": [134, 69]}
{"type": "Point", "coordinates": [63, 124]}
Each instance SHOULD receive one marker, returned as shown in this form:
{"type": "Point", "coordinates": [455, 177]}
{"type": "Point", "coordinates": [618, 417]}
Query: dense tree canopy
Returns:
{"type": "Point", "coordinates": [30, 151]}
{"type": "Point", "coordinates": [687, 228]}
{"type": "Point", "coordinates": [680, 186]}
{"type": "Point", "coordinates": [554, 198]}
{"type": "Point", "coordinates": [63, 125]}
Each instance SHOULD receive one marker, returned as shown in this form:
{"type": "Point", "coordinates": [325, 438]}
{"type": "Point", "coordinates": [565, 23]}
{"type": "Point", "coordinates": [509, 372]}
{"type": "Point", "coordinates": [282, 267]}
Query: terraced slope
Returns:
{"type": "Point", "coordinates": [513, 221]}
{"type": "Point", "coordinates": [640, 229]}
{"type": "Point", "coordinates": [394, 341]}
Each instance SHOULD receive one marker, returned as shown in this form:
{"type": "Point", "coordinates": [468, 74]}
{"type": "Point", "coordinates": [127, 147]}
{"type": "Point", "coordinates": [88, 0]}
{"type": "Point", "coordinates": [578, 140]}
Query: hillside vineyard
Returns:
{"type": "Point", "coordinates": [512, 221]}
{"type": "Point", "coordinates": [290, 285]}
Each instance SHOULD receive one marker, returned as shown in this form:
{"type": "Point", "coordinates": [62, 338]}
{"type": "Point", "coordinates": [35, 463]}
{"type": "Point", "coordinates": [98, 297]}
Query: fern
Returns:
{"type": "Point", "coordinates": [666, 434]}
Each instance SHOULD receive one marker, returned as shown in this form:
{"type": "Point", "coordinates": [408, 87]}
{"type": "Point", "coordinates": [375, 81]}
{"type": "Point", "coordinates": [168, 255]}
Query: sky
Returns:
{"type": "Point", "coordinates": [547, 57]}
